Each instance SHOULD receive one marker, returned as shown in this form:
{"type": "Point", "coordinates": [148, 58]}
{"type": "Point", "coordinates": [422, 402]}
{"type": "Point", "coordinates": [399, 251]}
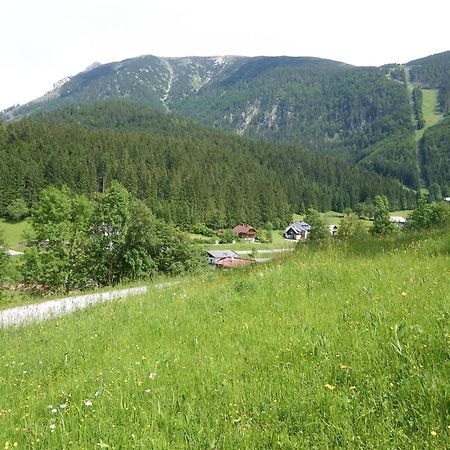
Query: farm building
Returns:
{"type": "Point", "coordinates": [297, 230]}
{"type": "Point", "coordinates": [217, 255]}
{"type": "Point", "coordinates": [332, 229]}
{"type": "Point", "coordinates": [245, 231]}
{"type": "Point", "coordinates": [399, 220]}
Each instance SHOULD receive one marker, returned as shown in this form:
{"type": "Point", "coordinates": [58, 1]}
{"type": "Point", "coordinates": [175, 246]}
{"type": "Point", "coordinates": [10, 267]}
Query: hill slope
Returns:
{"type": "Point", "coordinates": [319, 104]}
{"type": "Point", "coordinates": [433, 72]}
{"type": "Point", "coordinates": [340, 348]}
{"type": "Point", "coordinates": [185, 172]}
{"type": "Point", "coordinates": [435, 154]}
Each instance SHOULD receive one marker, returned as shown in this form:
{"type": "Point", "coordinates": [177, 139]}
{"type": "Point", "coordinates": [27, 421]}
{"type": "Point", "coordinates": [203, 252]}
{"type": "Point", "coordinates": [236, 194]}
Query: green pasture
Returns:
{"type": "Point", "coordinates": [338, 347]}
{"type": "Point", "coordinates": [430, 110]}
{"type": "Point", "coordinates": [13, 233]}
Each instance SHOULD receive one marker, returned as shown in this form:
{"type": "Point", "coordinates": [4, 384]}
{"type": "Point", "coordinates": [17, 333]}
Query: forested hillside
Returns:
{"type": "Point", "coordinates": [435, 156]}
{"type": "Point", "coordinates": [317, 103]}
{"type": "Point", "coordinates": [320, 104]}
{"type": "Point", "coordinates": [433, 72]}
{"type": "Point", "coordinates": [396, 157]}
{"type": "Point", "coordinates": [186, 173]}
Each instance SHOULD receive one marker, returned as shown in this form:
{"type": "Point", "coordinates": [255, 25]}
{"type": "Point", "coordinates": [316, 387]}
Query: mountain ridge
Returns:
{"type": "Point", "coordinates": [320, 104]}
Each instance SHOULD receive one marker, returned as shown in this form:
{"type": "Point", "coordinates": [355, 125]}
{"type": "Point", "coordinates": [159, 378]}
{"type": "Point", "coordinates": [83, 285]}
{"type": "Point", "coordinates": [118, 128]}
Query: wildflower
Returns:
{"type": "Point", "coordinates": [403, 294]}
{"type": "Point", "coordinates": [433, 433]}
{"type": "Point", "coordinates": [54, 410]}
{"type": "Point", "coordinates": [87, 403]}
{"type": "Point", "coordinates": [352, 388]}
{"type": "Point", "coordinates": [52, 427]}
{"type": "Point", "coordinates": [152, 375]}
{"type": "Point", "coordinates": [330, 387]}
{"type": "Point", "coordinates": [63, 405]}
{"type": "Point", "coordinates": [147, 391]}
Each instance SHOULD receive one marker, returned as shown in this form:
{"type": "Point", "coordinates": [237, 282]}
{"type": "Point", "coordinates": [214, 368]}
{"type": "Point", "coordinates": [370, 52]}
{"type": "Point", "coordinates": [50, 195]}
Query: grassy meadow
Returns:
{"type": "Point", "coordinates": [340, 347]}
{"type": "Point", "coordinates": [430, 110]}
{"type": "Point", "coordinates": [13, 233]}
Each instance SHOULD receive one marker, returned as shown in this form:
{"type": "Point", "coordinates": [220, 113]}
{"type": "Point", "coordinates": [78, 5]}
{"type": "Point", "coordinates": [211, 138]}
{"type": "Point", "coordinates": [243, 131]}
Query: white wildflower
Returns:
{"type": "Point", "coordinates": [87, 403]}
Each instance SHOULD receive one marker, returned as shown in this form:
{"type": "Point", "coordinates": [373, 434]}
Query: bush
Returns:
{"type": "Point", "coordinates": [202, 229]}
{"type": "Point", "coordinates": [227, 237]}
{"type": "Point", "coordinates": [17, 210]}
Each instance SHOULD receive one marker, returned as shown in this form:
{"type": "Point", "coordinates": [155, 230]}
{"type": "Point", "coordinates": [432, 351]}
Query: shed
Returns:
{"type": "Point", "coordinates": [399, 220]}
{"type": "Point", "coordinates": [216, 255]}
{"type": "Point", "coordinates": [332, 229]}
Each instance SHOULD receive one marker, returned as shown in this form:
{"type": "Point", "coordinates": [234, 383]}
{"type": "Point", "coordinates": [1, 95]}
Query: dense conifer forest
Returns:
{"type": "Point", "coordinates": [184, 172]}
{"type": "Point", "coordinates": [434, 72]}
{"type": "Point", "coordinates": [435, 154]}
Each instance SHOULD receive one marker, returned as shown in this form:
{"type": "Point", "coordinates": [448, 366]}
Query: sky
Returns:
{"type": "Point", "coordinates": [43, 41]}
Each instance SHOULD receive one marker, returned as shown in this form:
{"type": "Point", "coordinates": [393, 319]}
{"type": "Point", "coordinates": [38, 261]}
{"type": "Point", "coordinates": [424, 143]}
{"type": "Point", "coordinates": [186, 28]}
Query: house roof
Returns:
{"type": "Point", "coordinates": [231, 262]}
{"type": "Point", "coordinates": [298, 227]}
{"type": "Point", "coordinates": [217, 254]}
{"type": "Point", "coordinates": [244, 229]}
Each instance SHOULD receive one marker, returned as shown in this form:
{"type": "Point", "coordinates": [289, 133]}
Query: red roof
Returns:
{"type": "Point", "coordinates": [234, 262]}
{"type": "Point", "coordinates": [244, 229]}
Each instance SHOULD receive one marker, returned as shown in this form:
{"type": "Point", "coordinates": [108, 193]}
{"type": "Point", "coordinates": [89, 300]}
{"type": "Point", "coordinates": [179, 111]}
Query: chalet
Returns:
{"type": "Point", "coordinates": [216, 255]}
{"type": "Point", "coordinates": [297, 230]}
{"type": "Point", "coordinates": [245, 231]}
{"type": "Point", "coordinates": [399, 220]}
{"type": "Point", "coordinates": [332, 229]}
{"type": "Point", "coordinates": [447, 199]}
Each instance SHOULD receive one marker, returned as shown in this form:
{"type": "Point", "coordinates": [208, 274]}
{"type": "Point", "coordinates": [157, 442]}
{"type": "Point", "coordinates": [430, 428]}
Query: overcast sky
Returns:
{"type": "Point", "coordinates": [42, 41]}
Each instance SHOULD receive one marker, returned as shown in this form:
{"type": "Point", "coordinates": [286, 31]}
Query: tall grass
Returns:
{"type": "Point", "coordinates": [337, 347]}
{"type": "Point", "coordinates": [430, 110]}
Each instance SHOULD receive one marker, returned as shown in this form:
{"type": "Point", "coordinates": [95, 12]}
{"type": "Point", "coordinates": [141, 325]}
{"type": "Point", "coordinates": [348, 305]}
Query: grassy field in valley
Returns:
{"type": "Point", "coordinates": [13, 233]}
{"type": "Point", "coordinates": [344, 347]}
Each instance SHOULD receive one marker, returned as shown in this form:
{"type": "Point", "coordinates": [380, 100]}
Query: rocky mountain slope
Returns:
{"type": "Point", "coordinates": [309, 101]}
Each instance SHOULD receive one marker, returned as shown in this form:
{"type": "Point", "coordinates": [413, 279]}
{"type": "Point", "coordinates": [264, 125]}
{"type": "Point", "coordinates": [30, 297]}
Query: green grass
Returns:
{"type": "Point", "coordinates": [341, 347]}
{"type": "Point", "coordinates": [402, 213]}
{"type": "Point", "coordinates": [430, 110]}
{"type": "Point", "coordinates": [331, 218]}
{"type": "Point", "coordinates": [13, 233]}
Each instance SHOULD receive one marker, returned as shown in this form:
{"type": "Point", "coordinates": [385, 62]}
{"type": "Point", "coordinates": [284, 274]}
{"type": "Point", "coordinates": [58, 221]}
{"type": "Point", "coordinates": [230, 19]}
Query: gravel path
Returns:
{"type": "Point", "coordinates": [23, 315]}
